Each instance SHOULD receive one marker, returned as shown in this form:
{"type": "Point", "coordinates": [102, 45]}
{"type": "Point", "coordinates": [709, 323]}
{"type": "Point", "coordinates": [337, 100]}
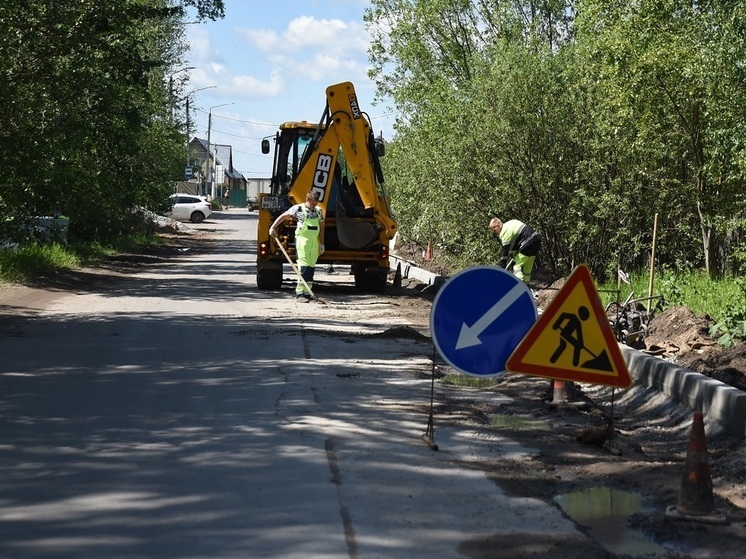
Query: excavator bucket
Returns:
{"type": "Point", "coordinates": [353, 233]}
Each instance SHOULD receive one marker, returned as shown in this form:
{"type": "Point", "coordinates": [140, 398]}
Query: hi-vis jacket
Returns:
{"type": "Point", "coordinates": [308, 226]}
{"type": "Point", "coordinates": [517, 237]}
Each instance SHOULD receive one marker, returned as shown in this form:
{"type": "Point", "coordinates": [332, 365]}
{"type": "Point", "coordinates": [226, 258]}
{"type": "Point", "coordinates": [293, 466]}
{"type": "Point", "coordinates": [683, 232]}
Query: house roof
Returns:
{"type": "Point", "coordinates": [223, 155]}
{"type": "Point", "coordinates": [203, 144]}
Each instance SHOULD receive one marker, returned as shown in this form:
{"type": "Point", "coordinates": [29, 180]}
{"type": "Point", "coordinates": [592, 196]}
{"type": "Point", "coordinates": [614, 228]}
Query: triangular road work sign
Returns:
{"type": "Point", "coordinates": [572, 339]}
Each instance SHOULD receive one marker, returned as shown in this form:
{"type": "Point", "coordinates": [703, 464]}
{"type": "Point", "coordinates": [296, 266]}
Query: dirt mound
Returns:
{"type": "Point", "coordinates": [401, 332]}
{"type": "Point", "coordinates": [680, 336]}
{"type": "Point", "coordinates": [725, 365]}
{"type": "Point", "coordinates": [684, 339]}
{"type": "Point", "coordinates": [544, 296]}
{"type": "Point", "coordinates": [678, 330]}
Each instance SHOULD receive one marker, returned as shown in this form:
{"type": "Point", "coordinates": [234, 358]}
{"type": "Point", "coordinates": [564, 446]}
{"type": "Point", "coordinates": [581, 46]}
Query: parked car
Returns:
{"type": "Point", "coordinates": [188, 207]}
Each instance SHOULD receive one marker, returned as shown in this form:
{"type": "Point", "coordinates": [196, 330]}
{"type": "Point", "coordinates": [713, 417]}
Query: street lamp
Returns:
{"type": "Point", "coordinates": [211, 166]}
{"type": "Point", "coordinates": [187, 117]}
{"type": "Point", "coordinates": [171, 86]}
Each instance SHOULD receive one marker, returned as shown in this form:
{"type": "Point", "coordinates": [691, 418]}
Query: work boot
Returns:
{"type": "Point", "coordinates": [302, 298]}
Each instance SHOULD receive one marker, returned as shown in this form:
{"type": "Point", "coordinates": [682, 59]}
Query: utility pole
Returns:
{"type": "Point", "coordinates": [211, 165]}
{"type": "Point", "coordinates": [188, 131]}
{"type": "Point", "coordinates": [208, 170]}
{"type": "Point", "coordinates": [171, 87]}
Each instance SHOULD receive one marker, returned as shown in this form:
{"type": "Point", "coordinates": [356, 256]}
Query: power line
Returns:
{"type": "Point", "coordinates": [253, 123]}
{"type": "Point", "coordinates": [250, 122]}
{"type": "Point", "coordinates": [257, 138]}
{"type": "Point", "coordinates": [237, 135]}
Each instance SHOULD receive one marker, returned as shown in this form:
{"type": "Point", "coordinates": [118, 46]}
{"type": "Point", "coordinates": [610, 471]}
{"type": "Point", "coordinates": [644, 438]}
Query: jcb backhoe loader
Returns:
{"type": "Point", "coordinates": [339, 159]}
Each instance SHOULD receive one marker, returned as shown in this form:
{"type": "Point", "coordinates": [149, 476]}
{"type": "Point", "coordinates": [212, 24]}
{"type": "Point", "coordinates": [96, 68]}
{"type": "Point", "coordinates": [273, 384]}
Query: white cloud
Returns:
{"type": "Point", "coordinates": [320, 67]}
{"type": "Point", "coordinates": [264, 39]}
{"type": "Point", "coordinates": [217, 68]}
{"type": "Point", "coordinates": [275, 71]}
{"type": "Point", "coordinates": [311, 49]}
{"type": "Point", "coordinates": [306, 32]}
{"type": "Point", "coordinates": [200, 47]}
{"type": "Point", "coordinates": [249, 86]}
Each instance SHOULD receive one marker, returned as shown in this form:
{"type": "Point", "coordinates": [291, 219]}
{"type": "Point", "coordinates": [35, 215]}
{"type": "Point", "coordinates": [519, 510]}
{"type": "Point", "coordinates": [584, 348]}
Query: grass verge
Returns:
{"type": "Point", "coordinates": [23, 264]}
{"type": "Point", "coordinates": [724, 301]}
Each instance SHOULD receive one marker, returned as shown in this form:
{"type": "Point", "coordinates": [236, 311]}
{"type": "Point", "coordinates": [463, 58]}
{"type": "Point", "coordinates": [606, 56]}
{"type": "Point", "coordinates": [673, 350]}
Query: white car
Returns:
{"type": "Point", "coordinates": [189, 207]}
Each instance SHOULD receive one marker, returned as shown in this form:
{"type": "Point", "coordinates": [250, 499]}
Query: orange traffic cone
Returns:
{"type": "Point", "coordinates": [559, 394]}
{"type": "Point", "coordinates": [696, 483]}
{"type": "Point", "coordinates": [563, 391]}
{"type": "Point", "coordinates": [696, 501]}
{"type": "Point", "coordinates": [429, 252]}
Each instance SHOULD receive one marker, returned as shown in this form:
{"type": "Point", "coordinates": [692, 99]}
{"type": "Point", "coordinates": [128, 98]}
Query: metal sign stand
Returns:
{"type": "Point", "coordinates": [429, 436]}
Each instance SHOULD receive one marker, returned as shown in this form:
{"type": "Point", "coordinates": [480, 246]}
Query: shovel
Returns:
{"type": "Point", "coordinates": [297, 271]}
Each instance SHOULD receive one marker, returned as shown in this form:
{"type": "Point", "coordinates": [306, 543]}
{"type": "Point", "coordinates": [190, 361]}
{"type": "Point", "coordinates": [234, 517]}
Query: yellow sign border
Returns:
{"type": "Point", "coordinates": [530, 356]}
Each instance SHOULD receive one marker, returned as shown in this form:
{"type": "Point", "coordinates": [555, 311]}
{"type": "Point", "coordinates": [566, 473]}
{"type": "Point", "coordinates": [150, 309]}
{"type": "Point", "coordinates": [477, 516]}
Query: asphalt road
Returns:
{"type": "Point", "coordinates": [175, 411]}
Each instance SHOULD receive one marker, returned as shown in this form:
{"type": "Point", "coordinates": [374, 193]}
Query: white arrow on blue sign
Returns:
{"type": "Point", "coordinates": [479, 317]}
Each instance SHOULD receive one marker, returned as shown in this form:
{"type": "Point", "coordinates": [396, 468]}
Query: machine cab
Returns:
{"type": "Point", "coordinates": [290, 146]}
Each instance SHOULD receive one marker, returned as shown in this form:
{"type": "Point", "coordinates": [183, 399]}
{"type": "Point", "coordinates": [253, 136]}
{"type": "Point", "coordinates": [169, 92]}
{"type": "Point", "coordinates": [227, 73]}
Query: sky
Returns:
{"type": "Point", "coordinates": [270, 62]}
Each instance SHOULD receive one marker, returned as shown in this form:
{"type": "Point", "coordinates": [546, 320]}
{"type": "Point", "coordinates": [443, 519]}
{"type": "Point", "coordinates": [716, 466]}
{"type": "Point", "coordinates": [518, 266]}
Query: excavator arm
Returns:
{"type": "Point", "coordinates": [347, 130]}
{"type": "Point", "coordinates": [358, 222]}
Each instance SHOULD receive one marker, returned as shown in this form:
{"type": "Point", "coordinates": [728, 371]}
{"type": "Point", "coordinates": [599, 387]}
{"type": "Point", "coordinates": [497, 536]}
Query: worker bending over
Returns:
{"type": "Point", "coordinates": [520, 244]}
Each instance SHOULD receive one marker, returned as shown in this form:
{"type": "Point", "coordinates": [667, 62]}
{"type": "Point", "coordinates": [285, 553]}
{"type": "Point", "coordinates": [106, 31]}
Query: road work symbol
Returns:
{"type": "Point", "coordinates": [571, 332]}
{"type": "Point", "coordinates": [479, 317]}
{"type": "Point", "coordinates": [573, 340]}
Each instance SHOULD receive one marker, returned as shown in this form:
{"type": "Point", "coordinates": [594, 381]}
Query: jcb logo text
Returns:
{"type": "Point", "coordinates": [321, 175]}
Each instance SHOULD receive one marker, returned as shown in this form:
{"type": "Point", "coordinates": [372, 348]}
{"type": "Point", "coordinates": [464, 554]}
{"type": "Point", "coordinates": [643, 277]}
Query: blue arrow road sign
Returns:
{"type": "Point", "coordinates": [479, 317]}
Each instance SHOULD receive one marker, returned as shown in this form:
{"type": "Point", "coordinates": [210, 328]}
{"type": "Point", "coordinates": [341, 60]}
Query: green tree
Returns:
{"type": "Point", "coordinates": [674, 80]}
{"type": "Point", "coordinates": [489, 135]}
{"type": "Point", "coordinates": [586, 127]}
{"type": "Point", "coordinates": [84, 113]}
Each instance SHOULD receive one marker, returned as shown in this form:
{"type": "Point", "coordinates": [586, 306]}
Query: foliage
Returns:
{"type": "Point", "coordinates": [591, 120]}
{"type": "Point", "coordinates": [723, 300]}
{"type": "Point", "coordinates": [30, 261]}
{"type": "Point", "coordinates": [85, 112]}
{"type": "Point", "coordinates": [677, 67]}
{"type": "Point", "coordinates": [207, 9]}
{"type": "Point", "coordinates": [731, 323]}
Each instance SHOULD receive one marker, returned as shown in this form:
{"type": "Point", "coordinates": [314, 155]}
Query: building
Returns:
{"type": "Point", "coordinates": [219, 160]}
{"type": "Point", "coordinates": [254, 187]}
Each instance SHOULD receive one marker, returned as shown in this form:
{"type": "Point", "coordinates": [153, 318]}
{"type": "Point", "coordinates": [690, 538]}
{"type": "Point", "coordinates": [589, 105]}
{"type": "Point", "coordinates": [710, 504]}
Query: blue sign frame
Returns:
{"type": "Point", "coordinates": [479, 317]}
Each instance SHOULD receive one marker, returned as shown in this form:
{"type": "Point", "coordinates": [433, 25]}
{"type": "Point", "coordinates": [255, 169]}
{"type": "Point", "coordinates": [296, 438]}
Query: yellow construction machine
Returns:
{"type": "Point", "coordinates": [339, 159]}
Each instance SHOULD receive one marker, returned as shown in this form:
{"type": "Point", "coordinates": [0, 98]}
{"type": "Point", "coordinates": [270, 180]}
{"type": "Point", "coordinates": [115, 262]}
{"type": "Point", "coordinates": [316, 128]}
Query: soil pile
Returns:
{"type": "Point", "coordinates": [684, 339]}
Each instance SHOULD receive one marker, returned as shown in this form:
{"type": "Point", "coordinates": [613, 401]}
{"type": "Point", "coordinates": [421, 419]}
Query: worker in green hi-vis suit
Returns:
{"type": "Point", "coordinates": [520, 244]}
{"type": "Point", "coordinates": [309, 240]}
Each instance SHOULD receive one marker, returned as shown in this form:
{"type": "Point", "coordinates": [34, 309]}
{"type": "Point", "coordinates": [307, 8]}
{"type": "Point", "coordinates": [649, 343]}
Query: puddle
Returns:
{"type": "Point", "coordinates": [605, 511]}
{"type": "Point", "coordinates": [520, 422]}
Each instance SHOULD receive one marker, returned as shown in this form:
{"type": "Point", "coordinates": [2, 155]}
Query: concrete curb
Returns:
{"type": "Point", "coordinates": [714, 398]}
{"type": "Point", "coordinates": [410, 270]}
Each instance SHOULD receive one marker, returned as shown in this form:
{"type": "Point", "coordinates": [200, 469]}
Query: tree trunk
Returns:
{"type": "Point", "coordinates": [708, 244]}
